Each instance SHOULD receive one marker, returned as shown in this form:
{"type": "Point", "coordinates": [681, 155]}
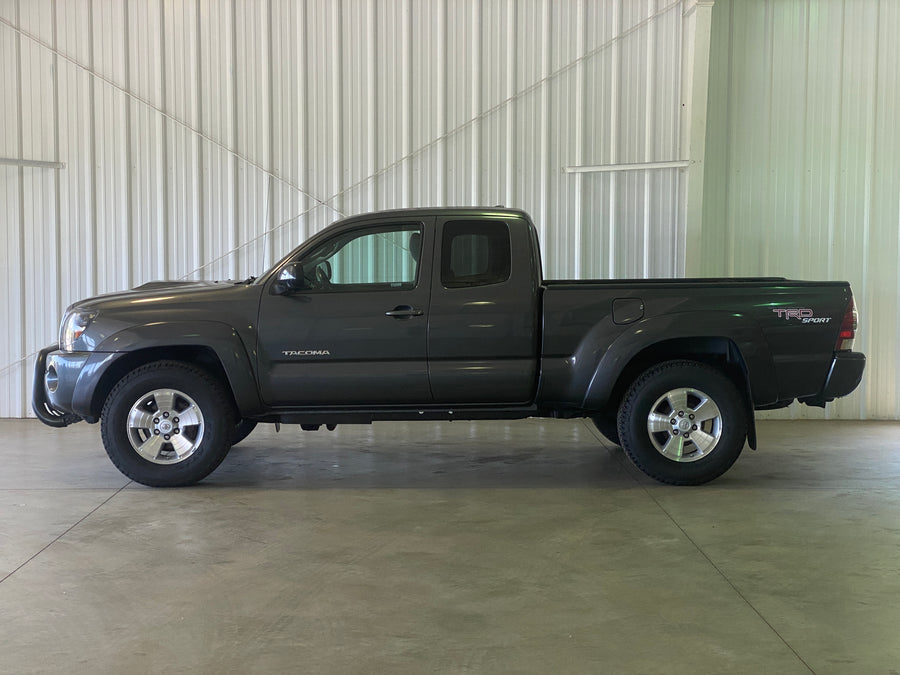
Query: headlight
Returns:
{"type": "Point", "coordinates": [72, 329]}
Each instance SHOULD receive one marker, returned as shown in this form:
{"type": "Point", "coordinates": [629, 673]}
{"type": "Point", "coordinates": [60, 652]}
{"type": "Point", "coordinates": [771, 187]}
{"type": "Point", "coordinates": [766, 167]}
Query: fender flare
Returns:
{"type": "Point", "coordinates": [221, 339]}
{"type": "Point", "coordinates": [741, 331]}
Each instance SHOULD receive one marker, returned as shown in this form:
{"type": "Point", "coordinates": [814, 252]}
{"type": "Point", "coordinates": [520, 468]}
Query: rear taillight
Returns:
{"type": "Point", "coordinates": [848, 328]}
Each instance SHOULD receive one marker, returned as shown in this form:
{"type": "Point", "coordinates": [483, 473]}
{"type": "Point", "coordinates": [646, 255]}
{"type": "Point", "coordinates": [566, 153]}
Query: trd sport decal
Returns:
{"type": "Point", "coordinates": [802, 314]}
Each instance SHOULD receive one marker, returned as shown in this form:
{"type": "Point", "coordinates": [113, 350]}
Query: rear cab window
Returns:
{"type": "Point", "coordinates": [475, 253]}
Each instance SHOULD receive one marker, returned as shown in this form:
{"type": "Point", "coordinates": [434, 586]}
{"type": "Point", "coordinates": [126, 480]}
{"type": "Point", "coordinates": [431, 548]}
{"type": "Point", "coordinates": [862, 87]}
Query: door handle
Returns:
{"type": "Point", "coordinates": [404, 312]}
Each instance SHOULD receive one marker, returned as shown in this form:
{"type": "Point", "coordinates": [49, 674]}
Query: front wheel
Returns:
{"type": "Point", "coordinates": [683, 423]}
{"type": "Point", "coordinates": [167, 424]}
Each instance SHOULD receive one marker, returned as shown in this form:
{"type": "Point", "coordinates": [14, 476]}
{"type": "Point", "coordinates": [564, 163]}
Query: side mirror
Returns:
{"type": "Point", "coordinates": [290, 280]}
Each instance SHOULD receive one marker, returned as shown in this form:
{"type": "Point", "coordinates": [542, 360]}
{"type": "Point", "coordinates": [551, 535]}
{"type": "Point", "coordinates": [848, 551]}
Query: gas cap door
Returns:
{"type": "Point", "coordinates": [627, 310]}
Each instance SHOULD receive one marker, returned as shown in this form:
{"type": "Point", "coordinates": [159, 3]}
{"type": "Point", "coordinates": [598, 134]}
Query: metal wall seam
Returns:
{"type": "Point", "coordinates": [614, 137]}
{"type": "Point", "coordinates": [20, 203]}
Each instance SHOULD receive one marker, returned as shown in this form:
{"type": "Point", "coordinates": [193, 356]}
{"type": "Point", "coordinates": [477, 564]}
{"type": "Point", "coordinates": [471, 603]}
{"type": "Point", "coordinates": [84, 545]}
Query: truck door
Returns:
{"type": "Point", "coordinates": [483, 323]}
{"type": "Point", "coordinates": [354, 331]}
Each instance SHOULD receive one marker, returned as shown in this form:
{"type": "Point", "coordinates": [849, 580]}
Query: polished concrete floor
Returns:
{"type": "Point", "coordinates": [525, 547]}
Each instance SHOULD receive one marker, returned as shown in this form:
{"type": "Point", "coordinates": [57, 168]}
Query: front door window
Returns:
{"type": "Point", "coordinates": [377, 259]}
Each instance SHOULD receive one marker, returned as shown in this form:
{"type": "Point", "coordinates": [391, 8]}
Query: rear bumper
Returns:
{"type": "Point", "coordinates": [843, 377]}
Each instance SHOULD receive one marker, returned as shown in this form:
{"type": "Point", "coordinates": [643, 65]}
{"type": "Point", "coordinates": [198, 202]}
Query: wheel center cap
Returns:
{"type": "Point", "coordinates": [684, 425]}
{"type": "Point", "coordinates": [165, 426]}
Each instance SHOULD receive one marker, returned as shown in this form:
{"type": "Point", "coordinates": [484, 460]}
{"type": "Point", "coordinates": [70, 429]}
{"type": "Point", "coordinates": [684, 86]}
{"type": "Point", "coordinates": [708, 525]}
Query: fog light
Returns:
{"type": "Point", "coordinates": [51, 379]}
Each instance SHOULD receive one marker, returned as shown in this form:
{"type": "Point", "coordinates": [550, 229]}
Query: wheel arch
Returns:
{"type": "Point", "coordinates": [203, 357]}
{"type": "Point", "coordinates": [215, 347]}
{"type": "Point", "coordinates": [720, 352]}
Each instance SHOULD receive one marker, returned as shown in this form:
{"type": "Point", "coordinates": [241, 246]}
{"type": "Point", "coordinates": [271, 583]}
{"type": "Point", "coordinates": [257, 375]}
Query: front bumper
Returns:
{"type": "Point", "coordinates": [51, 392]}
{"type": "Point", "coordinates": [844, 376]}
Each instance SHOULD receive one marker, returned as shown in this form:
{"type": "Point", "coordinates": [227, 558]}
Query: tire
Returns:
{"type": "Point", "coordinates": [167, 424]}
{"type": "Point", "coordinates": [608, 426]}
{"type": "Point", "coordinates": [241, 430]}
{"type": "Point", "coordinates": [676, 398]}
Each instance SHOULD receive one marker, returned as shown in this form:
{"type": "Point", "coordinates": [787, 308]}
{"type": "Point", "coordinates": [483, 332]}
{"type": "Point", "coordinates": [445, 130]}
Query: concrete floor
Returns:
{"type": "Point", "coordinates": [524, 547]}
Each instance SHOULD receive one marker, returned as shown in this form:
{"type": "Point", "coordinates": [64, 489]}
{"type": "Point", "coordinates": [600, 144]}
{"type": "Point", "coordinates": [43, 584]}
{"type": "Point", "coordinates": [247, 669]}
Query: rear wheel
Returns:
{"type": "Point", "coordinates": [167, 424]}
{"type": "Point", "coordinates": [683, 423]}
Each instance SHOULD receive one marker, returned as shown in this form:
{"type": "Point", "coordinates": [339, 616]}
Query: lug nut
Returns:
{"type": "Point", "coordinates": [156, 432]}
{"type": "Point", "coordinates": [694, 428]}
{"type": "Point", "coordinates": [177, 431]}
{"type": "Point", "coordinates": [687, 436]}
{"type": "Point", "coordinates": [176, 419]}
{"type": "Point", "coordinates": [166, 436]}
{"type": "Point", "coordinates": [166, 415]}
{"type": "Point", "coordinates": [691, 416]}
{"type": "Point", "coordinates": [155, 420]}
{"type": "Point", "coordinates": [673, 421]}
{"type": "Point", "coordinates": [681, 413]}
{"type": "Point", "coordinates": [675, 432]}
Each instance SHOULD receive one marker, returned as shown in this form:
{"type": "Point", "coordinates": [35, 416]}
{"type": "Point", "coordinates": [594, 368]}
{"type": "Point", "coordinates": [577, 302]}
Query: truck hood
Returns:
{"type": "Point", "coordinates": [159, 293]}
{"type": "Point", "coordinates": [184, 306]}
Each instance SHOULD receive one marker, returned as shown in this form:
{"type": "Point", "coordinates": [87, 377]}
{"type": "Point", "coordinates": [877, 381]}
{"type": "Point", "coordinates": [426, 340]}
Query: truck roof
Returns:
{"type": "Point", "coordinates": [432, 211]}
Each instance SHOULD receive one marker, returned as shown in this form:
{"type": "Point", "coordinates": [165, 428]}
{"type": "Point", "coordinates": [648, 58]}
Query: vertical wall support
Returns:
{"type": "Point", "coordinates": [696, 28]}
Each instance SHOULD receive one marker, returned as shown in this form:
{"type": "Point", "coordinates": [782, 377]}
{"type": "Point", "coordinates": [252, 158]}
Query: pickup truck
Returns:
{"type": "Point", "coordinates": [443, 314]}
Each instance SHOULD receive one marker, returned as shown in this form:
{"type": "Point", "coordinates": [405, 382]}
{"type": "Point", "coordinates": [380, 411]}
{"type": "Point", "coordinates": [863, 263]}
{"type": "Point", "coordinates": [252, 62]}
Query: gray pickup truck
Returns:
{"type": "Point", "coordinates": [443, 314]}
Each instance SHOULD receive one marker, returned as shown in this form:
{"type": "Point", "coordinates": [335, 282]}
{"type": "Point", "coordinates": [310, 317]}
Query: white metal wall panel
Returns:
{"type": "Point", "coordinates": [12, 345]}
{"type": "Point", "coordinates": [802, 173]}
{"type": "Point", "coordinates": [205, 138]}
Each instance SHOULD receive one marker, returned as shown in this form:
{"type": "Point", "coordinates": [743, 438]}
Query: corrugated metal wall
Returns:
{"type": "Point", "coordinates": [203, 138]}
{"type": "Point", "coordinates": [803, 163]}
